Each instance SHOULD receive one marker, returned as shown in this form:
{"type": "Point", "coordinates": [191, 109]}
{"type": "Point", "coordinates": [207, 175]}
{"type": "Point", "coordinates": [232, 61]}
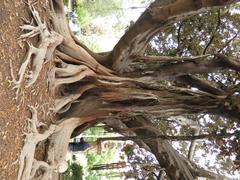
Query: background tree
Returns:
{"type": "Point", "coordinates": [74, 171]}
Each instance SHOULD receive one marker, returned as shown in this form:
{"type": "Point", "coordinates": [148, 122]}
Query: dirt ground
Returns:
{"type": "Point", "coordinates": [13, 114]}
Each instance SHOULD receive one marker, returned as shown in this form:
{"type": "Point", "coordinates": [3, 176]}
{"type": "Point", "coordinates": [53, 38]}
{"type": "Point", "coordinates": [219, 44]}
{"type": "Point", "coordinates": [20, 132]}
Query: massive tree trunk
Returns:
{"type": "Point", "coordinates": [88, 92]}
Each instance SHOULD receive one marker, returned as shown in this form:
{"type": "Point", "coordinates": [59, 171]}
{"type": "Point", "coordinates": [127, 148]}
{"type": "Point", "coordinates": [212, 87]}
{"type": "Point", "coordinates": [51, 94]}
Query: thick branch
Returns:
{"type": "Point", "coordinates": [193, 144]}
{"type": "Point", "coordinates": [160, 68]}
{"type": "Point", "coordinates": [172, 138]}
{"type": "Point", "coordinates": [202, 85]}
{"type": "Point", "coordinates": [200, 172]}
{"type": "Point", "coordinates": [160, 14]}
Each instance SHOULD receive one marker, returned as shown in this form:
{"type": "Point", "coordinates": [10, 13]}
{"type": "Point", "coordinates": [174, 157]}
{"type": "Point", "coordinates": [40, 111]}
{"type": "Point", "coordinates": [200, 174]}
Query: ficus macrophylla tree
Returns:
{"type": "Point", "coordinates": [122, 88]}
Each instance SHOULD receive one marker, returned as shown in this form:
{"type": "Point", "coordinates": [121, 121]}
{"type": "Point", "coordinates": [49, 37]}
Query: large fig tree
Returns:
{"type": "Point", "coordinates": [137, 84]}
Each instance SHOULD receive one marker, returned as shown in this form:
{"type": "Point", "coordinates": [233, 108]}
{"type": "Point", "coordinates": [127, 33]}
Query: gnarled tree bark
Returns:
{"type": "Point", "coordinates": [88, 92]}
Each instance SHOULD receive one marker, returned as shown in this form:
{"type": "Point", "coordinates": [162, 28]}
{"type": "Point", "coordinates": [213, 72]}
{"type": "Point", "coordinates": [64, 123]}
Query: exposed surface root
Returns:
{"type": "Point", "coordinates": [67, 74]}
{"type": "Point", "coordinates": [71, 74]}
{"type": "Point", "coordinates": [58, 135]}
{"type": "Point", "coordinates": [27, 164]}
{"type": "Point", "coordinates": [36, 56]}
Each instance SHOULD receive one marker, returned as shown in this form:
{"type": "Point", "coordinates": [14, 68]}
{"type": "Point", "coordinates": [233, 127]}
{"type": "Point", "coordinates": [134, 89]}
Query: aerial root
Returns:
{"type": "Point", "coordinates": [27, 164]}
{"type": "Point", "coordinates": [68, 74]}
{"type": "Point", "coordinates": [36, 56]}
{"type": "Point", "coordinates": [64, 103]}
{"type": "Point", "coordinates": [71, 74]}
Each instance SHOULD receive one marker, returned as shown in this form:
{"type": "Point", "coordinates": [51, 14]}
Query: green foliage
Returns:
{"type": "Point", "coordinates": [83, 15]}
{"type": "Point", "coordinates": [100, 158]}
{"type": "Point", "coordinates": [91, 43]}
{"type": "Point", "coordinates": [74, 172]}
{"type": "Point", "coordinates": [87, 10]}
{"type": "Point", "coordinates": [65, 2]}
{"type": "Point", "coordinates": [98, 131]}
{"type": "Point", "coordinates": [209, 32]}
{"type": "Point", "coordinates": [94, 159]}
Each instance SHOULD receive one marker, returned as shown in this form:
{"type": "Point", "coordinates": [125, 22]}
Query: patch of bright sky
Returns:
{"type": "Point", "coordinates": [236, 9]}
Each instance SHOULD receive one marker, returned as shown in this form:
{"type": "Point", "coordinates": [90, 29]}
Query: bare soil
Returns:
{"type": "Point", "coordinates": [13, 114]}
